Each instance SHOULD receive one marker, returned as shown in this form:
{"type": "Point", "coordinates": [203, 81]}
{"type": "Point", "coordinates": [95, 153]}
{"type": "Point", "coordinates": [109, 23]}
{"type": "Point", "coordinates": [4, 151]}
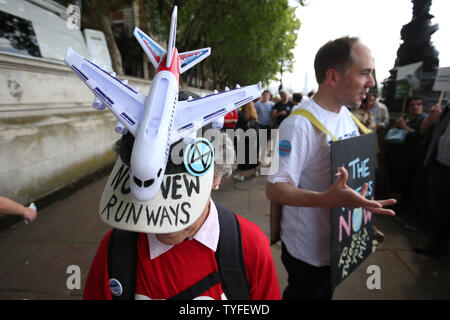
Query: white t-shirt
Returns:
{"type": "Point", "coordinates": [306, 231]}
{"type": "Point", "coordinates": [302, 103]}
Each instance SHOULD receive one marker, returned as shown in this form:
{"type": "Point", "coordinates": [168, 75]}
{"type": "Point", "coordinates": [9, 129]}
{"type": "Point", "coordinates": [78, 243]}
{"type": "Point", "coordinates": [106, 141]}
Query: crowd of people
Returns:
{"type": "Point", "coordinates": [264, 113]}
{"type": "Point", "coordinates": [207, 256]}
{"type": "Point", "coordinates": [412, 171]}
{"type": "Point", "coordinates": [404, 169]}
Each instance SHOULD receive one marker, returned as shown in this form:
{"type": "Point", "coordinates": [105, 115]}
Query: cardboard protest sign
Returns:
{"type": "Point", "coordinates": [351, 235]}
{"type": "Point", "coordinates": [442, 82]}
{"type": "Point", "coordinates": [401, 89]}
{"type": "Point", "coordinates": [179, 202]}
{"type": "Point", "coordinates": [408, 70]}
{"type": "Point", "coordinates": [407, 79]}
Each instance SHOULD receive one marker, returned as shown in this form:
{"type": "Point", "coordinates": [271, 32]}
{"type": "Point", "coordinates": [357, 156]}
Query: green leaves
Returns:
{"type": "Point", "coordinates": [248, 38]}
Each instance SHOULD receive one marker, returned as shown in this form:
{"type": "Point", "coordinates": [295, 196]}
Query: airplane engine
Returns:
{"type": "Point", "coordinates": [218, 123]}
{"type": "Point", "coordinates": [190, 139]}
{"type": "Point", "coordinates": [120, 128]}
{"type": "Point", "coordinates": [97, 104]}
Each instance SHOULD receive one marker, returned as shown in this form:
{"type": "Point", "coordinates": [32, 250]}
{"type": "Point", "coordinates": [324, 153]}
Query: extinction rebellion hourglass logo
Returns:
{"type": "Point", "coordinates": [199, 157]}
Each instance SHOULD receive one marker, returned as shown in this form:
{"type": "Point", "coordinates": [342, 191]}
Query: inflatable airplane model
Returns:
{"type": "Point", "coordinates": [159, 119]}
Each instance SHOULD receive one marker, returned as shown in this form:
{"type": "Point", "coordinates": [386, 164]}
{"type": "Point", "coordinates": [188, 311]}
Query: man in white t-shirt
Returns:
{"type": "Point", "coordinates": [303, 183]}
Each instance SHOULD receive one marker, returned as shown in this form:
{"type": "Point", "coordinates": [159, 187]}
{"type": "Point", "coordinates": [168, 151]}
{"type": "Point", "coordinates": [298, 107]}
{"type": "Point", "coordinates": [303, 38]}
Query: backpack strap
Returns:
{"type": "Point", "coordinates": [122, 263]}
{"type": "Point", "coordinates": [361, 127]}
{"type": "Point", "coordinates": [315, 122]}
{"type": "Point", "coordinates": [229, 256]}
{"type": "Point", "coordinates": [197, 289]}
{"type": "Point", "coordinates": [319, 125]}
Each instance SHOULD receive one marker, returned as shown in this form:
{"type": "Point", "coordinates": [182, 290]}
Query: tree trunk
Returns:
{"type": "Point", "coordinates": [116, 58]}
{"type": "Point", "coordinates": [203, 74]}
{"type": "Point", "coordinates": [97, 18]}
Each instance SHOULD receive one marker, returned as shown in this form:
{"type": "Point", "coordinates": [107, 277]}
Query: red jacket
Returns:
{"type": "Point", "coordinates": [230, 116]}
{"type": "Point", "coordinates": [187, 263]}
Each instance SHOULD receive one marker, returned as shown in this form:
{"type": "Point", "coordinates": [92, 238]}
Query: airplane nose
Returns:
{"type": "Point", "coordinates": [147, 183]}
{"type": "Point", "coordinates": [137, 181]}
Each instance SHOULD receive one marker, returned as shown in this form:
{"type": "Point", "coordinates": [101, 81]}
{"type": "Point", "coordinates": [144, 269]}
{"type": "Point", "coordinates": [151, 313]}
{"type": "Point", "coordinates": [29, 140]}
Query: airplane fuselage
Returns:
{"type": "Point", "coordinates": [148, 165]}
{"type": "Point", "coordinates": [152, 119]}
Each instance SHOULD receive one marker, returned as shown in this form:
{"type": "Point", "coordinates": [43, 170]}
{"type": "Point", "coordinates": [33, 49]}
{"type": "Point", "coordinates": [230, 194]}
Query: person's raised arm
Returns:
{"type": "Point", "coordinates": [433, 116]}
{"type": "Point", "coordinates": [400, 123]}
{"type": "Point", "coordinates": [287, 194]}
{"type": "Point", "coordinates": [338, 195]}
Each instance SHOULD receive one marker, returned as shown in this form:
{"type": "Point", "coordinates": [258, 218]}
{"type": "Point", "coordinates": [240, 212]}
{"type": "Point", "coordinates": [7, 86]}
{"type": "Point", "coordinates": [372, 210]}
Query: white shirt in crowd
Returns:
{"type": "Point", "coordinates": [306, 231]}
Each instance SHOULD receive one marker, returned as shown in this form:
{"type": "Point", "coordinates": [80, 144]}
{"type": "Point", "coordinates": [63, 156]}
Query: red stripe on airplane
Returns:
{"type": "Point", "coordinates": [174, 66]}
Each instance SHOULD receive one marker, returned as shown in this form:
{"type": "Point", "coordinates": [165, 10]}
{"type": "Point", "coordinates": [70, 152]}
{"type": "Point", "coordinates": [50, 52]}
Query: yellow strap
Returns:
{"type": "Point", "coordinates": [361, 127]}
{"type": "Point", "coordinates": [308, 115]}
{"type": "Point", "coordinates": [319, 125]}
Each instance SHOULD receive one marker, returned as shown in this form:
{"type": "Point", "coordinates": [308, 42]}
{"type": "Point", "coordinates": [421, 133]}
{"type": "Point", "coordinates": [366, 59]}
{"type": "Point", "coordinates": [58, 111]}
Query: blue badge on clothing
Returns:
{"type": "Point", "coordinates": [115, 287]}
{"type": "Point", "coordinates": [199, 157]}
{"type": "Point", "coordinates": [357, 218]}
{"type": "Point", "coordinates": [284, 148]}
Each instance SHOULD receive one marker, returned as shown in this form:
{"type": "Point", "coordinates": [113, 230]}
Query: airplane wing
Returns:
{"type": "Point", "coordinates": [190, 115]}
{"type": "Point", "coordinates": [124, 102]}
{"type": "Point", "coordinates": [191, 58]}
{"type": "Point", "coordinates": [153, 50]}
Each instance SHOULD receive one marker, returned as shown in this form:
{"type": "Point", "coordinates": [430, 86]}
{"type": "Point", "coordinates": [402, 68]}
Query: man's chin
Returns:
{"type": "Point", "coordinates": [352, 105]}
{"type": "Point", "coordinates": [169, 239]}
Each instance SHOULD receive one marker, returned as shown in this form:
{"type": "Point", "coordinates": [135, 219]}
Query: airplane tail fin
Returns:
{"type": "Point", "coordinates": [156, 53]}
{"type": "Point", "coordinates": [172, 37]}
{"type": "Point", "coordinates": [153, 50]}
{"type": "Point", "coordinates": [191, 58]}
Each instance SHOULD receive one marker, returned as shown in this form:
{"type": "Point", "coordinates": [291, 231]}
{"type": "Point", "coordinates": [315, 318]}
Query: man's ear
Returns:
{"type": "Point", "coordinates": [332, 76]}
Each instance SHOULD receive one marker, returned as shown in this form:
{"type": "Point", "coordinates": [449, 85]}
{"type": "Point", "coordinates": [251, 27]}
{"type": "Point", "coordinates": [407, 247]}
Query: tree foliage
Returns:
{"type": "Point", "coordinates": [97, 17]}
{"type": "Point", "coordinates": [248, 39]}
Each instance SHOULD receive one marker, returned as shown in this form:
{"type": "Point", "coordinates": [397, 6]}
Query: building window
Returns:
{"type": "Point", "coordinates": [17, 36]}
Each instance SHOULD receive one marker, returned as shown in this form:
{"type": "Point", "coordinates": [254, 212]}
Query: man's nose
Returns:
{"type": "Point", "coordinates": [371, 81]}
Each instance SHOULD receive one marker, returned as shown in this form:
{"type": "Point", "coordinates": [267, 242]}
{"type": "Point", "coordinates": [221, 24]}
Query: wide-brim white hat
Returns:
{"type": "Point", "coordinates": [177, 205]}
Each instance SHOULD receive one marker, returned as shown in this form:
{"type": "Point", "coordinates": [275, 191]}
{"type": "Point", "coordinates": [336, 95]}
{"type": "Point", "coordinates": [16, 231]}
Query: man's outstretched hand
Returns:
{"type": "Point", "coordinates": [342, 195]}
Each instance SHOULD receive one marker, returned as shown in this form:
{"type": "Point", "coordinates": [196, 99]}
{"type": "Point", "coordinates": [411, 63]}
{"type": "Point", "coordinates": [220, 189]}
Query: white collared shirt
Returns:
{"type": "Point", "coordinates": [208, 235]}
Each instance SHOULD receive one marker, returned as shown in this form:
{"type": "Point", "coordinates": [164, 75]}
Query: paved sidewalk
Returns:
{"type": "Point", "coordinates": [35, 257]}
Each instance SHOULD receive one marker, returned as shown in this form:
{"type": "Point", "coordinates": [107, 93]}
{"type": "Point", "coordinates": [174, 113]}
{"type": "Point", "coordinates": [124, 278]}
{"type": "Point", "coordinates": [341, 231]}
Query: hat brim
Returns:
{"type": "Point", "coordinates": [177, 205]}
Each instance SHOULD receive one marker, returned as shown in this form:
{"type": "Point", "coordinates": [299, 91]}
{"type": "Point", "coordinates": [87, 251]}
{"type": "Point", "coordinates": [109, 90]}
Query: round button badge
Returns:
{"type": "Point", "coordinates": [357, 218]}
{"type": "Point", "coordinates": [115, 287]}
{"type": "Point", "coordinates": [284, 148]}
{"type": "Point", "coordinates": [199, 157]}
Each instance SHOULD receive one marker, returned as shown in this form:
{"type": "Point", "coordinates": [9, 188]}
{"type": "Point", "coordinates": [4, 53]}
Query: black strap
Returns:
{"type": "Point", "coordinates": [229, 256]}
{"type": "Point", "coordinates": [197, 289]}
{"type": "Point", "coordinates": [122, 261]}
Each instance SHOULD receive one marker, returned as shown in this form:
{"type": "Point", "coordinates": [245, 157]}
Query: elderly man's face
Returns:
{"type": "Point", "coordinates": [354, 83]}
{"type": "Point", "coordinates": [174, 238]}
